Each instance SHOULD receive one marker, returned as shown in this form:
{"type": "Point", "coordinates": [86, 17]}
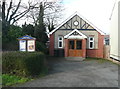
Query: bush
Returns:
{"type": "Point", "coordinates": [24, 63]}
{"type": "Point", "coordinates": [41, 47]}
{"type": "Point", "coordinates": [10, 46]}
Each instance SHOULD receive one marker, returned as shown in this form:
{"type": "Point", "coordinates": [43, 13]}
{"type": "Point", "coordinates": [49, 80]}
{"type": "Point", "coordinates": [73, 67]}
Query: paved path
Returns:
{"type": "Point", "coordinates": [78, 74]}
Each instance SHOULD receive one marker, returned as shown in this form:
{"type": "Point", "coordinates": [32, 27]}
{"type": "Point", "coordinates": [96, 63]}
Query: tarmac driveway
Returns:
{"type": "Point", "coordinates": [65, 73]}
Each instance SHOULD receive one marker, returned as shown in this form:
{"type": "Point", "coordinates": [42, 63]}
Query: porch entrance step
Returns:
{"type": "Point", "coordinates": [75, 58]}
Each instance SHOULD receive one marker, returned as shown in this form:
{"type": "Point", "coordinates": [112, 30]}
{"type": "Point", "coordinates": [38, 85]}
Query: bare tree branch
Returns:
{"type": "Point", "coordinates": [14, 11]}
{"type": "Point", "coordinates": [20, 16]}
{"type": "Point", "coordinates": [8, 11]}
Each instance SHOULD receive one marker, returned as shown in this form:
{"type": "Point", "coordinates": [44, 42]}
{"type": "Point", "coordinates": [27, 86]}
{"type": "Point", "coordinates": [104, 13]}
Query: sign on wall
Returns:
{"type": "Point", "coordinates": [22, 44]}
{"type": "Point", "coordinates": [31, 45]}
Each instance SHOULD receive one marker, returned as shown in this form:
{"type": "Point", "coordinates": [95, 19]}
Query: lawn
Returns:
{"type": "Point", "coordinates": [8, 80]}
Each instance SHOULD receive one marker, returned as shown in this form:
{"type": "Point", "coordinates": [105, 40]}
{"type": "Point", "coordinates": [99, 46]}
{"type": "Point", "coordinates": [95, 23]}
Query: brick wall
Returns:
{"type": "Point", "coordinates": [84, 48]}
{"type": "Point", "coordinates": [51, 45]}
{"type": "Point", "coordinates": [97, 52]}
{"type": "Point", "coordinates": [66, 47]}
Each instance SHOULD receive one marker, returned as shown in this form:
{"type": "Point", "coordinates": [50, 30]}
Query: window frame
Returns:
{"type": "Point", "coordinates": [92, 42]}
{"type": "Point", "coordinates": [60, 41]}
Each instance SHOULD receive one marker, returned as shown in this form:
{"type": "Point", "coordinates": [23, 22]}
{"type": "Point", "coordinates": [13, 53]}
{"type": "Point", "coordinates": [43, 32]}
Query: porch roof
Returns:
{"type": "Point", "coordinates": [71, 35]}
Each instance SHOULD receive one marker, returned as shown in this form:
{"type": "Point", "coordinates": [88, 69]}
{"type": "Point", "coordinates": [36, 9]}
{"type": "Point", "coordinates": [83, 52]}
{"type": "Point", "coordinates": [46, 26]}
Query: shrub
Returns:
{"type": "Point", "coordinates": [41, 47]}
{"type": "Point", "coordinates": [24, 63]}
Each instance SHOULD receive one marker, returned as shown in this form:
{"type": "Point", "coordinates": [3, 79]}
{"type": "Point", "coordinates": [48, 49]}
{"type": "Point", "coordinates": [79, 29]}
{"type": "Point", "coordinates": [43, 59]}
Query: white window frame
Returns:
{"type": "Point", "coordinates": [60, 41]}
{"type": "Point", "coordinates": [92, 42]}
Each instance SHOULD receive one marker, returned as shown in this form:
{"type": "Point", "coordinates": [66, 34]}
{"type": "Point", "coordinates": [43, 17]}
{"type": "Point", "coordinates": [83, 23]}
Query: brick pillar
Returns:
{"type": "Point", "coordinates": [100, 45]}
{"type": "Point", "coordinates": [66, 47]}
{"type": "Point", "coordinates": [84, 48]}
{"type": "Point", "coordinates": [51, 45]}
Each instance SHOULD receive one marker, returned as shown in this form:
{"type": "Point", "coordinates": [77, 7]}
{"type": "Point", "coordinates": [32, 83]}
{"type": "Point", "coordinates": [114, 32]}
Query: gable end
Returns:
{"type": "Point", "coordinates": [76, 21]}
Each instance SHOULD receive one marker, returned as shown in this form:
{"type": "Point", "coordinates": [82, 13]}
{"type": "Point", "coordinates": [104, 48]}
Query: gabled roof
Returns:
{"type": "Point", "coordinates": [26, 37]}
{"type": "Point", "coordinates": [79, 36]}
{"type": "Point", "coordinates": [76, 13]}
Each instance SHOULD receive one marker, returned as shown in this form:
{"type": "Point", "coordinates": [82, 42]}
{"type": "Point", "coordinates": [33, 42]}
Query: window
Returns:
{"type": "Point", "coordinates": [60, 42]}
{"type": "Point", "coordinates": [79, 44]}
{"type": "Point", "coordinates": [71, 44]}
{"type": "Point", "coordinates": [91, 42]}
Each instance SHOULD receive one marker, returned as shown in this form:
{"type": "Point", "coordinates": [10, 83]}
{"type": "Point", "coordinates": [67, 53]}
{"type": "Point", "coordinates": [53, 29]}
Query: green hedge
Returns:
{"type": "Point", "coordinates": [24, 63]}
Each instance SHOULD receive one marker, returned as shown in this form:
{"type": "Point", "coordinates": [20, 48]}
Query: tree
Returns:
{"type": "Point", "coordinates": [28, 29]}
{"type": "Point", "coordinates": [40, 31]}
{"type": "Point", "coordinates": [52, 13]}
{"type": "Point", "coordinates": [10, 42]}
{"type": "Point", "coordinates": [14, 33]}
{"type": "Point", "coordinates": [13, 13]}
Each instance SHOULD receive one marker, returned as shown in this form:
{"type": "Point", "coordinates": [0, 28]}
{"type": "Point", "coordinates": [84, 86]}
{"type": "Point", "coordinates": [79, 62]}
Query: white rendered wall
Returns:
{"type": "Point", "coordinates": [114, 33]}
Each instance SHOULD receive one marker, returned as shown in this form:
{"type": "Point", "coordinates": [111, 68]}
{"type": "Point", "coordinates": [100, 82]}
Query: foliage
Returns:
{"type": "Point", "coordinates": [43, 13]}
{"type": "Point", "coordinates": [40, 31]}
{"type": "Point", "coordinates": [12, 13]}
{"type": "Point", "coordinates": [41, 47]}
{"type": "Point", "coordinates": [10, 41]}
{"type": "Point", "coordinates": [14, 33]}
{"type": "Point", "coordinates": [24, 63]}
{"type": "Point", "coordinates": [8, 80]}
{"type": "Point", "coordinates": [28, 29]}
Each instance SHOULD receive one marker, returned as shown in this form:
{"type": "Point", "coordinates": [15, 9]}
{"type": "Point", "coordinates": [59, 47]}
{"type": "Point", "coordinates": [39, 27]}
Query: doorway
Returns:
{"type": "Point", "coordinates": [75, 48]}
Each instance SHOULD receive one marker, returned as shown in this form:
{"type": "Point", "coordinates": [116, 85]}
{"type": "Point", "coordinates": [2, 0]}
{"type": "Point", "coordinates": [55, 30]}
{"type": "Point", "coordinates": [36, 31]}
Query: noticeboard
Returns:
{"type": "Point", "coordinates": [22, 45]}
{"type": "Point", "coordinates": [31, 45]}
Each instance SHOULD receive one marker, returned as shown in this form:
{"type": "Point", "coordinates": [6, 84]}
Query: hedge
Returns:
{"type": "Point", "coordinates": [24, 63]}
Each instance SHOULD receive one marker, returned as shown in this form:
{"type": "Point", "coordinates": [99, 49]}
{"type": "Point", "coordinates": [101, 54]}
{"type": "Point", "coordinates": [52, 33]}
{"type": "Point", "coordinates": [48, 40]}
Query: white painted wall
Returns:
{"type": "Point", "coordinates": [114, 33]}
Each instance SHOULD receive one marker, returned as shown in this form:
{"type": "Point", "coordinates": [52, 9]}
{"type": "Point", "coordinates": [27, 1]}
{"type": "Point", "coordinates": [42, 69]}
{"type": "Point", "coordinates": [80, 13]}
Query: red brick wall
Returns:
{"type": "Point", "coordinates": [51, 45]}
{"type": "Point", "coordinates": [86, 53]}
{"type": "Point", "coordinates": [97, 52]}
{"type": "Point", "coordinates": [66, 47]}
{"type": "Point", "coordinates": [84, 48]}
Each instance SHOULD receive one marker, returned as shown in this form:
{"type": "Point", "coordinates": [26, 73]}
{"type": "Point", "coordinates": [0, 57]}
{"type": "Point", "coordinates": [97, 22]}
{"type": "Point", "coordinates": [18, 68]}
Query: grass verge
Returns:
{"type": "Point", "coordinates": [8, 80]}
{"type": "Point", "coordinates": [100, 60]}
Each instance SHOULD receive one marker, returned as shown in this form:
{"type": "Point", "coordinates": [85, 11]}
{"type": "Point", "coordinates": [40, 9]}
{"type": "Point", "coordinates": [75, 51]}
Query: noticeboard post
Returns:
{"type": "Point", "coordinates": [27, 43]}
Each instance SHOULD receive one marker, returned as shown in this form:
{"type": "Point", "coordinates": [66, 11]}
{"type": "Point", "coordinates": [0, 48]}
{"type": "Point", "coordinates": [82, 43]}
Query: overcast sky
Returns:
{"type": "Point", "coordinates": [96, 11]}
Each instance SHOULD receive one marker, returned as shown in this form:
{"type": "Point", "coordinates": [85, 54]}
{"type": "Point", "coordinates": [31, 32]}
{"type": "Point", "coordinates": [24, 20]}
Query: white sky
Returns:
{"type": "Point", "coordinates": [96, 11]}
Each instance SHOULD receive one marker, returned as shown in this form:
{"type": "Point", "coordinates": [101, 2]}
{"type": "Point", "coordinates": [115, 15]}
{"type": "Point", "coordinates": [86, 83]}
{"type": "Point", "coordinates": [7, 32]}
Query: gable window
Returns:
{"type": "Point", "coordinates": [60, 42]}
{"type": "Point", "coordinates": [91, 42]}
